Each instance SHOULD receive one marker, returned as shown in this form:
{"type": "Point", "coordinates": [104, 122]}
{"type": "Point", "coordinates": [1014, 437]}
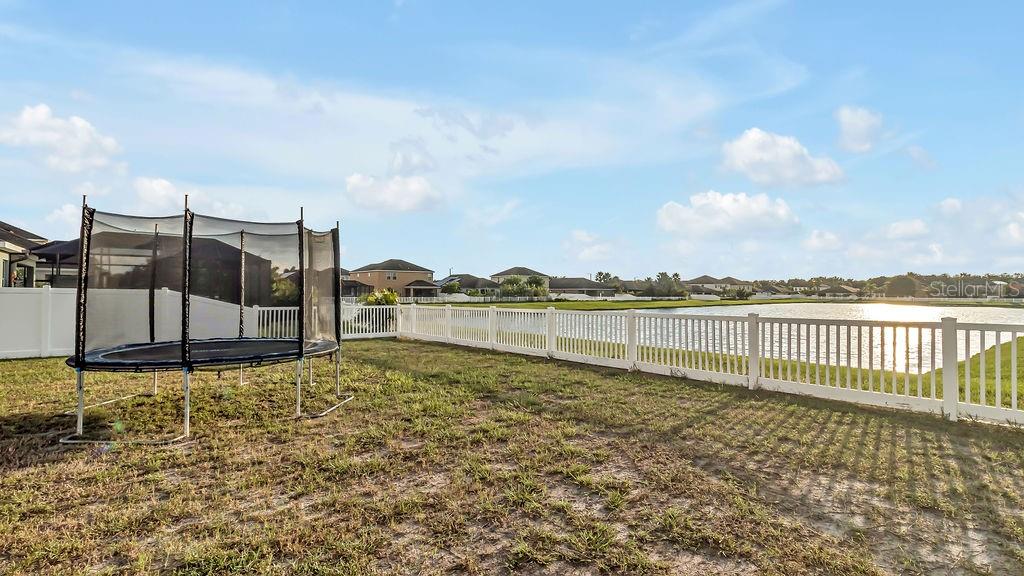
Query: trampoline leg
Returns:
{"type": "Point", "coordinates": [337, 375]}
{"type": "Point", "coordinates": [298, 388]}
{"type": "Point", "coordinates": [78, 436]}
{"type": "Point", "coordinates": [239, 374]}
{"type": "Point", "coordinates": [188, 402]}
{"type": "Point", "coordinates": [310, 371]}
{"type": "Point", "coordinates": [80, 386]}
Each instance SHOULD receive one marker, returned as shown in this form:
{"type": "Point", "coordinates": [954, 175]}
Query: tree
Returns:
{"type": "Point", "coordinates": [901, 286]}
{"type": "Point", "coordinates": [535, 282]}
{"type": "Point", "coordinates": [514, 286]}
{"type": "Point", "coordinates": [283, 291]}
{"type": "Point", "coordinates": [452, 287]}
{"type": "Point", "coordinates": [603, 277]}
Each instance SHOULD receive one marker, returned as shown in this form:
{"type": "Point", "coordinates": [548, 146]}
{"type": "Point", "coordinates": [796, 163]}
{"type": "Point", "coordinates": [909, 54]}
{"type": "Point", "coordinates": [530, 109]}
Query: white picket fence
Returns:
{"type": "Point", "coordinates": [907, 365]}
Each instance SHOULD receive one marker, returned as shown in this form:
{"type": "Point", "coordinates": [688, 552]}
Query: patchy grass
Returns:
{"type": "Point", "coordinates": [454, 460]}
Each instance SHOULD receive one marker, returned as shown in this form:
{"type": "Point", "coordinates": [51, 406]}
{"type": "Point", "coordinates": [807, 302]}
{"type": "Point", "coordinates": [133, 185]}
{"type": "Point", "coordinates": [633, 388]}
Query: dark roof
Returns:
{"type": "Point", "coordinates": [705, 279]}
{"type": "Point", "coordinates": [469, 282]}
{"type": "Point", "coordinates": [21, 232]}
{"type": "Point", "coordinates": [393, 265]}
{"type": "Point", "coordinates": [17, 240]}
{"type": "Point", "coordinates": [520, 271]}
{"type": "Point", "coordinates": [354, 283]}
{"type": "Point", "coordinates": [841, 289]}
{"type": "Point", "coordinates": [576, 283]}
{"type": "Point", "coordinates": [731, 280]}
{"type": "Point", "coordinates": [421, 283]}
{"type": "Point", "coordinates": [343, 272]}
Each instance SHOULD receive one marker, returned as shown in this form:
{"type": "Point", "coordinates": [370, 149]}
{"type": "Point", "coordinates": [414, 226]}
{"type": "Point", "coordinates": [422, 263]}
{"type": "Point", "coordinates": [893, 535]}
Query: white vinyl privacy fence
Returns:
{"type": "Point", "coordinates": [908, 365]}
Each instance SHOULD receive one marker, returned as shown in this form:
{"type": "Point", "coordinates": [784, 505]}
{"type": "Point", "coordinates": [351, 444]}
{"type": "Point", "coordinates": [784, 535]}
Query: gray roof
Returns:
{"type": "Point", "coordinates": [421, 284]}
{"type": "Point", "coordinates": [520, 271]}
{"type": "Point", "coordinates": [577, 284]}
{"type": "Point", "coordinates": [705, 279]}
{"type": "Point", "coordinates": [469, 282]}
{"type": "Point", "coordinates": [21, 232]}
{"type": "Point", "coordinates": [393, 265]}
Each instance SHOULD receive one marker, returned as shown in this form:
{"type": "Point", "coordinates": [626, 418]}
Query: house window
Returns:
{"type": "Point", "coordinates": [391, 275]}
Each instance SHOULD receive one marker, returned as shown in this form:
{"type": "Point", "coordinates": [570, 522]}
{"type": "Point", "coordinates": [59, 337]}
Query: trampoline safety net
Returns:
{"type": "Point", "coordinates": [191, 278]}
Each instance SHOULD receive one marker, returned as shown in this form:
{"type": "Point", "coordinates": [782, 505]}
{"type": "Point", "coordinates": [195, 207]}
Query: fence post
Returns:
{"type": "Point", "coordinates": [552, 338]}
{"type": "Point", "coordinates": [492, 325]}
{"type": "Point", "coordinates": [753, 352]}
{"type": "Point", "coordinates": [950, 372]}
{"type": "Point", "coordinates": [46, 305]}
{"type": "Point", "coordinates": [631, 337]}
{"type": "Point", "coordinates": [257, 319]}
{"type": "Point", "coordinates": [398, 320]}
{"type": "Point", "coordinates": [412, 318]}
{"type": "Point", "coordinates": [448, 323]}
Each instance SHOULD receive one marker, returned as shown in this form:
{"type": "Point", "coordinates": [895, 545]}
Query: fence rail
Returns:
{"type": "Point", "coordinates": [908, 365]}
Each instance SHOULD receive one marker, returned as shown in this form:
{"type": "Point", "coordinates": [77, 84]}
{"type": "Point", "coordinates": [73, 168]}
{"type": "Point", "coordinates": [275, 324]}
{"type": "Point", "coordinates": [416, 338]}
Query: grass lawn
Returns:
{"type": "Point", "coordinates": [454, 460]}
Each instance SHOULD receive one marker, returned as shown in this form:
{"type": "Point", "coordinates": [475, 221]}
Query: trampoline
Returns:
{"type": "Point", "coordinates": [185, 292]}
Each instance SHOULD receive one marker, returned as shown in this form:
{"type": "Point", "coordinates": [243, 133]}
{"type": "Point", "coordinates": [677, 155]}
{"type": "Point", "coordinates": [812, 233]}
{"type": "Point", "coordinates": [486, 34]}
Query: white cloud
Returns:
{"type": "Point", "coordinates": [921, 157]}
{"type": "Point", "coordinates": [394, 194]}
{"type": "Point", "coordinates": [158, 195]}
{"type": "Point", "coordinates": [859, 128]}
{"type": "Point", "coordinates": [491, 216]}
{"type": "Point", "coordinates": [951, 206]}
{"type": "Point", "coordinates": [713, 212]}
{"type": "Point", "coordinates": [587, 247]}
{"type": "Point", "coordinates": [91, 189]}
{"type": "Point", "coordinates": [68, 218]}
{"type": "Point", "coordinates": [821, 241]}
{"type": "Point", "coordinates": [410, 156]}
{"type": "Point", "coordinates": [771, 159]}
{"type": "Point", "coordinates": [73, 144]}
{"type": "Point", "coordinates": [906, 229]}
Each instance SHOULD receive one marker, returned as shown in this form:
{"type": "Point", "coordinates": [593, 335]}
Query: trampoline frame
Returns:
{"type": "Point", "coordinates": [187, 366]}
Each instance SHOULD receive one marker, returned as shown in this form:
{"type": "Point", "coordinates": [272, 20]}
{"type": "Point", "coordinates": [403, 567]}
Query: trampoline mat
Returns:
{"type": "Point", "coordinates": [210, 352]}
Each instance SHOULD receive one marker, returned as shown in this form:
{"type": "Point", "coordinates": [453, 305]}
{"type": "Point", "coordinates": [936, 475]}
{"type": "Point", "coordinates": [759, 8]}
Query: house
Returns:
{"type": "Point", "coordinates": [840, 291]}
{"type": "Point", "coordinates": [635, 287]}
{"type": "Point", "coordinates": [521, 272]}
{"type": "Point", "coordinates": [470, 282]}
{"type": "Point", "coordinates": [579, 286]}
{"type": "Point", "coordinates": [405, 278]}
{"type": "Point", "coordinates": [17, 263]}
{"type": "Point", "coordinates": [352, 288]}
{"type": "Point", "coordinates": [772, 290]}
{"type": "Point", "coordinates": [720, 284]}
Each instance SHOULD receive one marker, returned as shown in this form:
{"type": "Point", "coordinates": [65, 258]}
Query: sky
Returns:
{"type": "Point", "coordinates": [765, 139]}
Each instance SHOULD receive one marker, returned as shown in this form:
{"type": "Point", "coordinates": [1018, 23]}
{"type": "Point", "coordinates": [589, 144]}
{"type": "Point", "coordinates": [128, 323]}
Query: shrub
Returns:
{"type": "Point", "coordinates": [385, 297]}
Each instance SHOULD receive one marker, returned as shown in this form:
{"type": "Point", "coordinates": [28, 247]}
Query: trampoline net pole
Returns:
{"type": "Point", "coordinates": [80, 387]}
{"type": "Point", "coordinates": [298, 387]}
{"type": "Point", "coordinates": [188, 404]}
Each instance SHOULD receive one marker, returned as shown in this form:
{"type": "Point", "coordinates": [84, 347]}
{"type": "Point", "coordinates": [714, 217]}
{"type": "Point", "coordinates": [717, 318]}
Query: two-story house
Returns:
{"type": "Point", "coordinates": [405, 278]}
{"type": "Point", "coordinates": [522, 272]}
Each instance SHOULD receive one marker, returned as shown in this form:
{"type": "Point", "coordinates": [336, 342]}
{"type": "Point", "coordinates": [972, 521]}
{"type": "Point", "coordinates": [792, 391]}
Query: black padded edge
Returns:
{"type": "Point", "coordinates": [82, 295]}
{"type": "Point", "coordinates": [336, 240]}
{"type": "Point", "coordinates": [241, 285]}
{"type": "Point", "coordinates": [302, 281]}
{"type": "Point", "coordinates": [186, 264]}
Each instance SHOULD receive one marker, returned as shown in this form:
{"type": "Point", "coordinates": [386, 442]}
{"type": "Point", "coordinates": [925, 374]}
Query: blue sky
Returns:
{"type": "Point", "coordinates": [762, 139]}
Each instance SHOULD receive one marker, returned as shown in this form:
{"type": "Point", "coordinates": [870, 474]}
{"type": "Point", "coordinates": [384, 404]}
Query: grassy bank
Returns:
{"type": "Point", "coordinates": [629, 304]}
{"type": "Point", "coordinates": [466, 461]}
{"type": "Point", "coordinates": [649, 304]}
